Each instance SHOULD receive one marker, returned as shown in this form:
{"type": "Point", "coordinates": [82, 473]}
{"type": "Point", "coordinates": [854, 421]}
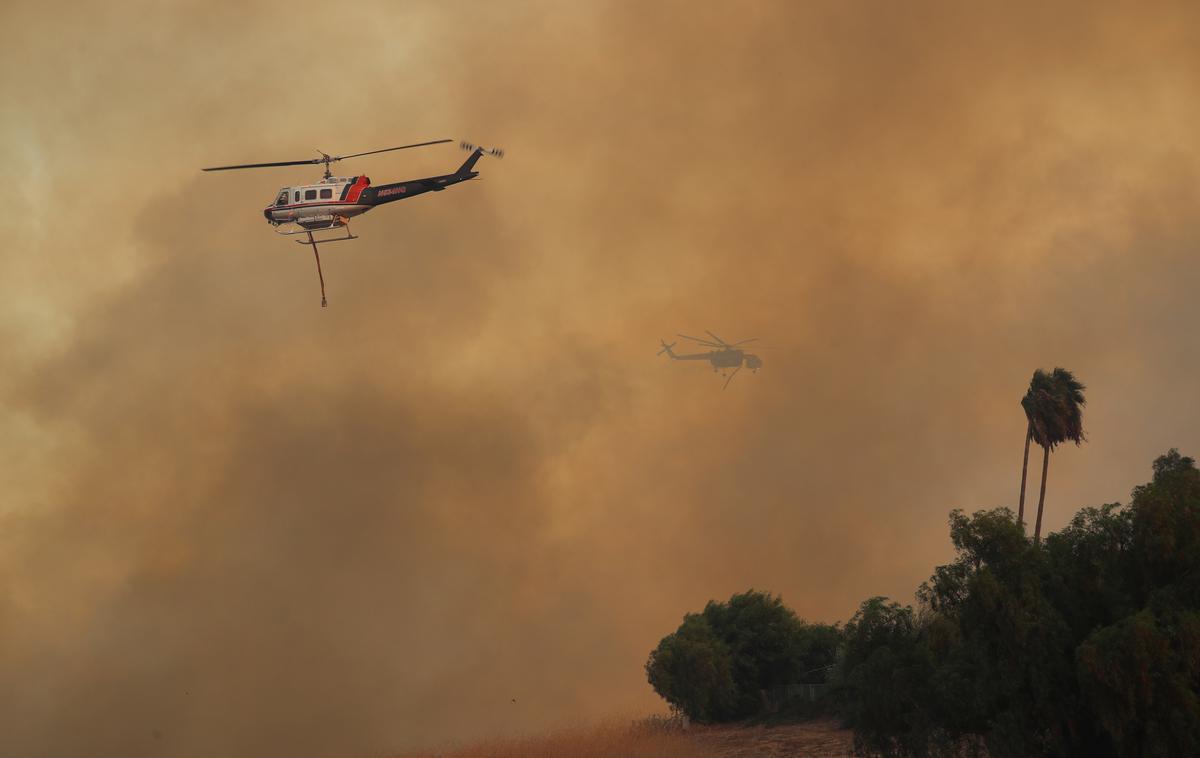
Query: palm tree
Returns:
{"type": "Point", "coordinates": [1054, 408]}
{"type": "Point", "coordinates": [1039, 388]}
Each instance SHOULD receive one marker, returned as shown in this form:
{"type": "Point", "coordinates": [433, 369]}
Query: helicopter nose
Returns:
{"type": "Point", "coordinates": [267, 213]}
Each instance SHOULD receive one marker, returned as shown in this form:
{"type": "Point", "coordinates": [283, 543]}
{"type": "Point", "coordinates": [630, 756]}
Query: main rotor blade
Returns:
{"type": "Point", "coordinates": [323, 158]}
{"type": "Point", "coordinates": [697, 339]}
{"type": "Point", "coordinates": [718, 339]}
{"type": "Point", "coordinates": [752, 339]}
{"type": "Point", "coordinates": [389, 149]}
{"type": "Point", "coordinates": [266, 165]}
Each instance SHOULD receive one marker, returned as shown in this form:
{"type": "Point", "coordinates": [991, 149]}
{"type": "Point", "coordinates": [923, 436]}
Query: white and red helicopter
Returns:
{"type": "Point", "coordinates": [334, 200]}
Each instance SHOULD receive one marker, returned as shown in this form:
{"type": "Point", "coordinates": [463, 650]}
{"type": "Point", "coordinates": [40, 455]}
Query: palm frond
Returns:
{"type": "Point", "coordinates": [1053, 404]}
{"type": "Point", "coordinates": [1071, 400]}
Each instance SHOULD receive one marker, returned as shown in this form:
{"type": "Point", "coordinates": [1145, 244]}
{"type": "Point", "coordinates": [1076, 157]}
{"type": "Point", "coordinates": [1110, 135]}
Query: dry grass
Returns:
{"type": "Point", "coordinates": [651, 740]}
{"type": "Point", "coordinates": [814, 739]}
{"type": "Point", "coordinates": [585, 742]}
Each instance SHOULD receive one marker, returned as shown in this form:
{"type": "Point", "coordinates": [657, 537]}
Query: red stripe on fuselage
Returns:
{"type": "Point", "coordinates": [356, 189]}
{"type": "Point", "coordinates": [350, 195]}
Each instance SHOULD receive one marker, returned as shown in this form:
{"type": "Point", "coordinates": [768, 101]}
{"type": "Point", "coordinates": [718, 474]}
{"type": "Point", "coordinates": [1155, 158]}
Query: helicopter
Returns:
{"type": "Point", "coordinates": [723, 356]}
{"type": "Point", "coordinates": [331, 202]}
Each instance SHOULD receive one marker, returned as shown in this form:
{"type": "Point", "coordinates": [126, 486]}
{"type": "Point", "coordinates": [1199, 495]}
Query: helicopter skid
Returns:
{"type": "Point", "coordinates": [315, 241]}
{"type": "Point", "coordinates": [312, 224]}
{"type": "Point", "coordinates": [323, 225]}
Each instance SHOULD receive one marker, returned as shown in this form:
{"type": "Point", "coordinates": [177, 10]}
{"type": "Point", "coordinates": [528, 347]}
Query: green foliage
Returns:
{"type": "Point", "coordinates": [693, 671]}
{"type": "Point", "coordinates": [1090, 577]}
{"type": "Point", "coordinates": [1140, 671]}
{"type": "Point", "coordinates": [1090, 646]}
{"type": "Point", "coordinates": [1166, 530]}
{"type": "Point", "coordinates": [716, 665]}
{"type": "Point", "coordinates": [884, 679]}
{"type": "Point", "coordinates": [1139, 678]}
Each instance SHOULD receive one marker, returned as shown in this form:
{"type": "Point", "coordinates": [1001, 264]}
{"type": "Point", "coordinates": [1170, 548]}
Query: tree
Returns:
{"type": "Point", "coordinates": [693, 671]}
{"type": "Point", "coordinates": [1140, 673]}
{"type": "Point", "coordinates": [1001, 649]}
{"type": "Point", "coordinates": [1088, 644]}
{"type": "Point", "coordinates": [716, 665]}
{"type": "Point", "coordinates": [884, 680]}
{"type": "Point", "coordinates": [1139, 679]}
{"type": "Point", "coordinates": [1166, 531]}
{"type": "Point", "coordinates": [1054, 409]}
{"type": "Point", "coordinates": [1039, 387]}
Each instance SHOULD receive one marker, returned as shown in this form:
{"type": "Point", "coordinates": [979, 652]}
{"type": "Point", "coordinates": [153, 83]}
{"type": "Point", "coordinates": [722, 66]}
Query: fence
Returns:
{"type": "Point", "coordinates": [778, 697]}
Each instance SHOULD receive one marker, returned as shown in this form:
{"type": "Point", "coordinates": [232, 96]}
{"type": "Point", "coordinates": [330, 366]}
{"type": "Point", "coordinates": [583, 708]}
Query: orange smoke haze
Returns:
{"type": "Point", "coordinates": [234, 523]}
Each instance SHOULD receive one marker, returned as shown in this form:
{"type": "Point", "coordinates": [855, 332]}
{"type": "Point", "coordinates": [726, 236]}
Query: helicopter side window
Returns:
{"type": "Point", "coordinates": [326, 194]}
{"type": "Point", "coordinates": [282, 198]}
{"type": "Point", "coordinates": [310, 194]}
{"type": "Point", "coordinates": [297, 196]}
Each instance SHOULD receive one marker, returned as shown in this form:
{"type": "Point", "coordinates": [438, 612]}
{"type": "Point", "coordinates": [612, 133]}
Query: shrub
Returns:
{"type": "Point", "coordinates": [717, 664]}
{"type": "Point", "coordinates": [693, 671]}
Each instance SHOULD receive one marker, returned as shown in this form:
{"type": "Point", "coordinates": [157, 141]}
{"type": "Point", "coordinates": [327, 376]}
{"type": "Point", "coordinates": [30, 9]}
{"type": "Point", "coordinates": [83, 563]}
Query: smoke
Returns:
{"type": "Point", "coordinates": [238, 524]}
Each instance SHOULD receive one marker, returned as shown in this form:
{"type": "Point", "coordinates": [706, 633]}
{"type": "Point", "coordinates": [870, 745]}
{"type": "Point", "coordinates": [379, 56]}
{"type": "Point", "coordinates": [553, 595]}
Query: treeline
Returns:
{"type": "Point", "coordinates": [1085, 644]}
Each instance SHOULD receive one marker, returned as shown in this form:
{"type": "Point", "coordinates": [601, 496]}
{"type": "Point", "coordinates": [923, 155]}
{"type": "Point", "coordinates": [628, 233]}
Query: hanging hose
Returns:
{"type": "Point", "coordinates": [320, 276]}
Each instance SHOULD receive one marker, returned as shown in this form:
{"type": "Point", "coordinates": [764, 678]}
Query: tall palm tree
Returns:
{"type": "Point", "coordinates": [1035, 398]}
{"type": "Point", "coordinates": [1054, 408]}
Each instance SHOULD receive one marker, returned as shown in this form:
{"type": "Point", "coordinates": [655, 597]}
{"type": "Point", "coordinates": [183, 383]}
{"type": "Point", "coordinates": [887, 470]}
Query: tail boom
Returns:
{"type": "Point", "coordinates": [387, 193]}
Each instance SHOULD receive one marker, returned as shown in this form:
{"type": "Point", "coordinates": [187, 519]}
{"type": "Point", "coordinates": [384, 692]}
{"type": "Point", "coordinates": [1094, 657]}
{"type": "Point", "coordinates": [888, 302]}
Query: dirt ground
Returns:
{"type": "Point", "coordinates": [812, 738]}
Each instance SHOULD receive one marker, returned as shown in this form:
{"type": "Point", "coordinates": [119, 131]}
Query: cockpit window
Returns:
{"type": "Point", "coordinates": [282, 200]}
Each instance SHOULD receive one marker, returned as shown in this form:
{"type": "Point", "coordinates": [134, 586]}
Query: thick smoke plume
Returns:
{"type": "Point", "coordinates": [234, 523]}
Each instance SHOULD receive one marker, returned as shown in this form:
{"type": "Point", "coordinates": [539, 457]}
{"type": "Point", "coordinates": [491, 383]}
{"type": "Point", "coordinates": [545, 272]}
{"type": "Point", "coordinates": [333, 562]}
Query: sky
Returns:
{"type": "Point", "coordinates": [235, 523]}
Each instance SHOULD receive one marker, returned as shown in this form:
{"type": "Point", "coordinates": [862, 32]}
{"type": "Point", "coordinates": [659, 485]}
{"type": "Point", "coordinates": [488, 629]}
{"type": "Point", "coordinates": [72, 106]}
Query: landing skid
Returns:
{"type": "Point", "coordinates": [309, 232]}
{"type": "Point", "coordinates": [290, 228]}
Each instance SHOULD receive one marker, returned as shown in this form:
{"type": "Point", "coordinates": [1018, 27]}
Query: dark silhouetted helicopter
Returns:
{"type": "Point", "coordinates": [723, 355]}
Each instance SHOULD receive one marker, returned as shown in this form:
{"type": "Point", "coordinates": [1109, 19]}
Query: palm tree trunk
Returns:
{"type": "Point", "coordinates": [1037, 531]}
{"type": "Point", "coordinates": [1024, 472]}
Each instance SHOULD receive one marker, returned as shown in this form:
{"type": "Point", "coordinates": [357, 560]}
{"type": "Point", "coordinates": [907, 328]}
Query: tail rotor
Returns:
{"type": "Point", "coordinates": [666, 348]}
{"type": "Point", "coordinates": [494, 151]}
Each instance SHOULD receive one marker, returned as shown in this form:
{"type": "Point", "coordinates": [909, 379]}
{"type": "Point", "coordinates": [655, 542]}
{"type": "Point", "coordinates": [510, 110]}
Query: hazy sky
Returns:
{"type": "Point", "coordinates": [235, 523]}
